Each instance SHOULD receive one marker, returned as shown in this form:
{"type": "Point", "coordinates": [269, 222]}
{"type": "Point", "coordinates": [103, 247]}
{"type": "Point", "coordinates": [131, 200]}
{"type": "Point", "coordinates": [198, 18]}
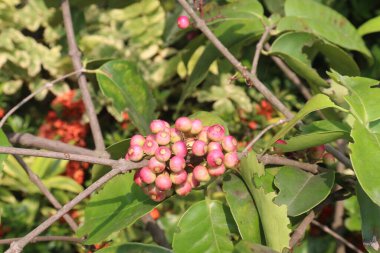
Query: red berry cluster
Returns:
{"type": "Point", "coordinates": [64, 124]}
{"type": "Point", "coordinates": [181, 157]}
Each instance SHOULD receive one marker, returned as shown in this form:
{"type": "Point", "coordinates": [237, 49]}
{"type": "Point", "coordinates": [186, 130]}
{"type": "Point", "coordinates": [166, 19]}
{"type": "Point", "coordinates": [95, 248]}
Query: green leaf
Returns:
{"type": "Point", "coordinates": [353, 220]}
{"type": "Point", "coordinates": [134, 247]}
{"type": "Point", "coordinates": [45, 167]}
{"type": "Point", "coordinates": [274, 219]}
{"type": "Point", "coordinates": [370, 213]}
{"type": "Point", "coordinates": [242, 206]}
{"type": "Point", "coordinates": [249, 247]}
{"type": "Point", "coordinates": [63, 183]}
{"type": "Point", "coordinates": [120, 203]}
{"type": "Point", "coordinates": [363, 98]}
{"type": "Point", "coordinates": [295, 49]}
{"type": "Point", "coordinates": [317, 102]}
{"type": "Point", "coordinates": [5, 143]}
{"type": "Point", "coordinates": [205, 227]}
{"type": "Point", "coordinates": [121, 82]}
{"type": "Point", "coordinates": [241, 21]}
{"type": "Point", "coordinates": [300, 191]}
{"type": "Point", "coordinates": [209, 119]}
{"type": "Point", "coordinates": [371, 26]}
{"type": "Point", "coordinates": [315, 134]}
{"type": "Point", "coordinates": [306, 16]}
{"type": "Point", "coordinates": [116, 151]}
{"type": "Point", "coordinates": [365, 159]}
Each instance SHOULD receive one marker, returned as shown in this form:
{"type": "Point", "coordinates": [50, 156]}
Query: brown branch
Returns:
{"type": "Point", "coordinates": [45, 239]}
{"type": "Point", "coordinates": [76, 60]}
{"type": "Point", "coordinates": [45, 191]}
{"type": "Point", "coordinates": [29, 140]}
{"type": "Point", "coordinates": [117, 168]}
{"type": "Point", "coordinates": [259, 47]}
{"type": "Point", "coordinates": [278, 160]}
{"type": "Point", "coordinates": [336, 236]}
{"type": "Point", "coordinates": [47, 85]}
{"type": "Point", "coordinates": [157, 233]}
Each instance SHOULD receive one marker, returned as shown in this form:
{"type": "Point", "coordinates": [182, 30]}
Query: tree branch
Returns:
{"type": "Point", "coordinates": [29, 140]}
{"type": "Point", "coordinates": [45, 191]}
{"type": "Point", "coordinates": [117, 168]}
{"type": "Point", "coordinates": [45, 239]}
{"type": "Point", "coordinates": [76, 60]}
{"type": "Point", "coordinates": [259, 47]}
{"type": "Point", "coordinates": [47, 85]}
{"type": "Point", "coordinates": [278, 160]}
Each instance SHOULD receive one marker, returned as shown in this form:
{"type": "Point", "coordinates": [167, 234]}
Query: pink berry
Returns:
{"type": "Point", "coordinates": [329, 160]}
{"type": "Point", "coordinates": [316, 153]}
{"type": "Point", "coordinates": [217, 171]}
{"type": "Point", "coordinates": [191, 180]}
{"type": "Point", "coordinates": [157, 126]}
{"type": "Point", "coordinates": [202, 136]}
{"type": "Point", "coordinates": [177, 163]}
{"type": "Point", "coordinates": [179, 148]}
{"type": "Point", "coordinates": [162, 154]}
{"type": "Point", "coordinates": [147, 176]}
{"type": "Point", "coordinates": [183, 189]}
{"type": "Point", "coordinates": [229, 143]}
{"type": "Point", "coordinates": [150, 146]}
{"type": "Point", "coordinates": [215, 158]}
{"type": "Point", "coordinates": [137, 140]}
{"type": "Point", "coordinates": [151, 137]}
{"type": "Point", "coordinates": [175, 135]}
{"type": "Point", "coordinates": [214, 146]}
{"type": "Point", "coordinates": [199, 148]}
{"type": "Point", "coordinates": [135, 153]}
{"type": "Point", "coordinates": [201, 174]}
{"type": "Point", "coordinates": [196, 127]}
{"type": "Point", "coordinates": [231, 160]}
{"type": "Point", "coordinates": [156, 194]}
{"type": "Point", "coordinates": [155, 165]}
{"type": "Point", "coordinates": [163, 182]}
{"type": "Point", "coordinates": [216, 132]}
{"type": "Point", "coordinates": [179, 177]}
{"type": "Point", "coordinates": [163, 138]}
{"type": "Point", "coordinates": [183, 22]}
{"type": "Point", "coordinates": [137, 178]}
{"type": "Point", "coordinates": [183, 124]}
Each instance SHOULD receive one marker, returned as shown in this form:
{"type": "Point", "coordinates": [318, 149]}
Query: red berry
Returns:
{"type": "Point", "coordinates": [214, 146]}
{"type": "Point", "coordinates": [179, 148]}
{"type": "Point", "coordinates": [155, 214]}
{"type": "Point", "coordinates": [147, 176]}
{"type": "Point", "coordinates": [135, 153]}
{"type": "Point", "coordinates": [162, 154]}
{"type": "Point", "coordinates": [183, 189]}
{"type": "Point", "coordinates": [163, 182]}
{"type": "Point", "coordinates": [231, 160]}
{"type": "Point", "coordinates": [217, 171]}
{"type": "Point", "coordinates": [183, 22]}
{"type": "Point", "coordinates": [229, 143]}
{"type": "Point", "coordinates": [150, 146]}
{"type": "Point", "coordinates": [216, 132]}
{"type": "Point", "coordinates": [137, 178]}
{"type": "Point", "coordinates": [163, 138]}
{"type": "Point", "coordinates": [201, 174]}
{"type": "Point", "coordinates": [179, 177]}
{"type": "Point", "coordinates": [177, 163]}
{"type": "Point", "coordinates": [157, 126]}
{"type": "Point", "coordinates": [183, 124]}
{"type": "Point", "coordinates": [199, 148]}
{"type": "Point", "coordinates": [329, 160]}
{"type": "Point", "coordinates": [137, 140]}
{"type": "Point", "coordinates": [155, 165]}
{"type": "Point", "coordinates": [215, 158]}
{"type": "Point", "coordinates": [316, 153]}
{"type": "Point", "coordinates": [196, 127]}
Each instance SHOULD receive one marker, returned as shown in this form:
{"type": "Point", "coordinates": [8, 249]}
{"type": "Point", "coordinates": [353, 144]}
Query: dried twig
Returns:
{"type": "Point", "coordinates": [45, 239]}
{"type": "Point", "coordinates": [259, 47]}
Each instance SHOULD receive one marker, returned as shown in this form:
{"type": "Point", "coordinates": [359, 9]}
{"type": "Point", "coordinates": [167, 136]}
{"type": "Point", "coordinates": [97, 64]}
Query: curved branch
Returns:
{"type": "Point", "coordinates": [45, 239]}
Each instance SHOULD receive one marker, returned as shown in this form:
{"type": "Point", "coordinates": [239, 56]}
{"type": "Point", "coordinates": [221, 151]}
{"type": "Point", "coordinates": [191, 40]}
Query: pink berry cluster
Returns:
{"type": "Point", "coordinates": [181, 157]}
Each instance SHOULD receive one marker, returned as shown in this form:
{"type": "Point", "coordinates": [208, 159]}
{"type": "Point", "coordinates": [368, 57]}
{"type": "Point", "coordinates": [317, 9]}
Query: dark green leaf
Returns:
{"type": "Point", "coordinates": [242, 206]}
{"type": "Point", "coordinates": [300, 191]}
{"type": "Point", "coordinates": [134, 248]}
{"type": "Point", "coordinates": [120, 203]}
{"type": "Point", "coordinates": [122, 83]}
{"type": "Point", "coordinates": [205, 227]}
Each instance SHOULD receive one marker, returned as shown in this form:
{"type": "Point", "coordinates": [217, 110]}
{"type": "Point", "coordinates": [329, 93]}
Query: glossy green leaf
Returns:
{"type": "Point", "coordinates": [241, 20]}
{"type": "Point", "coordinates": [116, 151]}
{"type": "Point", "coordinates": [315, 134]}
{"type": "Point", "coordinates": [242, 206]}
{"type": "Point", "coordinates": [120, 203]}
{"type": "Point", "coordinates": [3, 142]}
{"type": "Point", "coordinates": [122, 83]}
{"type": "Point", "coordinates": [300, 191]}
{"type": "Point", "coordinates": [365, 159]}
{"type": "Point", "coordinates": [353, 220]}
{"type": "Point", "coordinates": [318, 102]}
{"type": "Point", "coordinates": [45, 167]}
{"type": "Point", "coordinates": [371, 26]}
{"type": "Point", "coordinates": [306, 16]}
{"type": "Point", "coordinates": [370, 213]}
{"type": "Point", "coordinates": [205, 227]}
{"type": "Point", "coordinates": [209, 119]}
{"type": "Point", "coordinates": [274, 219]}
{"type": "Point", "coordinates": [293, 48]}
{"type": "Point", "coordinates": [363, 98]}
{"type": "Point", "coordinates": [134, 248]}
{"type": "Point", "coordinates": [249, 247]}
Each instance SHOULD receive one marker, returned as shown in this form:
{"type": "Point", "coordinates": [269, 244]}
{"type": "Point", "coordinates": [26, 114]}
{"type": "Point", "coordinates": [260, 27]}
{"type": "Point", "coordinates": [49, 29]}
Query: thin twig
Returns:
{"type": "Point", "coordinates": [279, 160]}
{"type": "Point", "coordinates": [259, 47]}
{"type": "Point", "coordinates": [29, 140]}
{"type": "Point", "coordinates": [45, 191]}
{"type": "Point", "coordinates": [118, 168]}
{"type": "Point", "coordinates": [47, 85]}
{"type": "Point", "coordinates": [45, 239]}
{"type": "Point", "coordinates": [257, 137]}
{"type": "Point", "coordinates": [157, 233]}
{"type": "Point", "coordinates": [339, 155]}
{"type": "Point", "coordinates": [336, 236]}
{"type": "Point", "coordinates": [76, 60]}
